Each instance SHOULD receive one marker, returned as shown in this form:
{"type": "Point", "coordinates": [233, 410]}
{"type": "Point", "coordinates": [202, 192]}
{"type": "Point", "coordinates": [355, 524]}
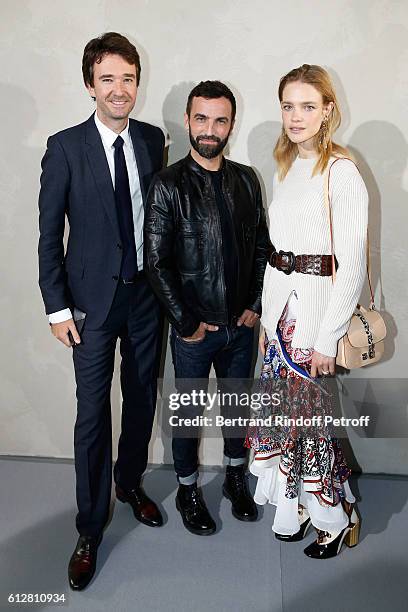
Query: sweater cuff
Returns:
{"type": "Point", "coordinates": [326, 345]}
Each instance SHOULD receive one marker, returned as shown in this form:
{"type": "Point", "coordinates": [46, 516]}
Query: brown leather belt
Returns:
{"type": "Point", "coordinates": [288, 262]}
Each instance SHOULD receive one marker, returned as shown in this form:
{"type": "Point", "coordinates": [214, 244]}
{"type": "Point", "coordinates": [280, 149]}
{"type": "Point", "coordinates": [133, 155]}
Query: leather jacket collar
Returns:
{"type": "Point", "coordinates": [195, 167]}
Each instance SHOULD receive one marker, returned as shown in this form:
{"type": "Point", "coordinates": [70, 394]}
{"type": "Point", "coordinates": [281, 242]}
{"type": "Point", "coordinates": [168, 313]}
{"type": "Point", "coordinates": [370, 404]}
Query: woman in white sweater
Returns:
{"type": "Point", "coordinates": [305, 313]}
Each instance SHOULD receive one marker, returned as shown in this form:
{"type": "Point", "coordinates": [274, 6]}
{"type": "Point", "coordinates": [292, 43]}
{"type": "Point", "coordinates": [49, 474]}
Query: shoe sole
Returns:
{"type": "Point", "coordinates": [244, 519]}
{"type": "Point", "coordinates": [207, 532]}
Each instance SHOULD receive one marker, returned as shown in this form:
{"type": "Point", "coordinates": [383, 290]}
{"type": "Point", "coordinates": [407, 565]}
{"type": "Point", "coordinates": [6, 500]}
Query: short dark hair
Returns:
{"type": "Point", "coordinates": [210, 90]}
{"type": "Point", "coordinates": [110, 42]}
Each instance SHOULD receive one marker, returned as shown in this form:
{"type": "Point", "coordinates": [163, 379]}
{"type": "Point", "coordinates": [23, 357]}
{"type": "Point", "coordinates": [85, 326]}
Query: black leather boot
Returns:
{"type": "Point", "coordinates": [194, 512]}
{"type": "Point", "coordinates": [235, 488]}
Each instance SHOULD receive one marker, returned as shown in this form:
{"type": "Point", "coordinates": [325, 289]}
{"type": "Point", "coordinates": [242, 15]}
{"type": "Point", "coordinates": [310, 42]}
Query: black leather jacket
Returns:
{"type": "Point", "coordinates": [183, 249]}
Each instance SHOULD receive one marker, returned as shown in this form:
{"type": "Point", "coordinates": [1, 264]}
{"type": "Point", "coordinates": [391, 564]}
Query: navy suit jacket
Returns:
{"type": "Point", "coordinates": [76, 183]}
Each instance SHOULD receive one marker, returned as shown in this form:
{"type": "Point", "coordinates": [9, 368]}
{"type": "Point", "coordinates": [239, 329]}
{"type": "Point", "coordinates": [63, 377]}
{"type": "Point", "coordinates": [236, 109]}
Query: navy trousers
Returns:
{"type": "Point", "coordinates": [135, 318]}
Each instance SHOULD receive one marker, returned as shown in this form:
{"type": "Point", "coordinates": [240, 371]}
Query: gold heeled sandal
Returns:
{"type": "Point", "coordinates": [329, 545]}
{"type": "Point", "coordinates": [353, 535]}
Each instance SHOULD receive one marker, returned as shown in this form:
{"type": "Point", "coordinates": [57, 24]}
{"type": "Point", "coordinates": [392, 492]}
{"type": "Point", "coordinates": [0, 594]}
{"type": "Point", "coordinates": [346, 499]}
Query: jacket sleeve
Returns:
{"type": "Point", "coordinates": [159, 257]}
{"type": "Point", "coordinates": [263, 248]}
{"type": "Point", "coordinates": [55, 183]}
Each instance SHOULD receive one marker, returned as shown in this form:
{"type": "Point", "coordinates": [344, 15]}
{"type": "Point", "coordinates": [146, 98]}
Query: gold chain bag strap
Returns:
{"type": "Point", "coordinates": [363, 343]}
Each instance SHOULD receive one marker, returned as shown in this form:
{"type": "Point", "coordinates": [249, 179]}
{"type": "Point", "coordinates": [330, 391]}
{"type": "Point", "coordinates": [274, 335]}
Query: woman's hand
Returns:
{"type": "Point", "coordinates": [322, 365]}
{"type": "Point", "coordinates": [248, 318]}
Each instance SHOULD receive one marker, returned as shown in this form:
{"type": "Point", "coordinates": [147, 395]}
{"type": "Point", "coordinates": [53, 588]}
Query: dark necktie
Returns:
{"type": "Point", "coordinates": [125, 214]}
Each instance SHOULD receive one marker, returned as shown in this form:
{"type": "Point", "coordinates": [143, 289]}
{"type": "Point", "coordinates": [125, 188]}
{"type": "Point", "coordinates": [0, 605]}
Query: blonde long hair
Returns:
{"type": "Point", "coordinates": [286, 151]}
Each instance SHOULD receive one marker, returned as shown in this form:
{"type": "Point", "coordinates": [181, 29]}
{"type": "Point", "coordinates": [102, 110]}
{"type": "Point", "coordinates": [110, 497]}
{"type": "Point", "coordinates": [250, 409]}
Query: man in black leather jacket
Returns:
{"type": "Point", "coordinates": [206, 244]}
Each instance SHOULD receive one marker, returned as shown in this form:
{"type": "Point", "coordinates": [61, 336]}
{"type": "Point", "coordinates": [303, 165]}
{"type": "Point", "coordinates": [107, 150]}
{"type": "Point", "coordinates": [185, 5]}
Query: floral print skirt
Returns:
{"type": "Point", "coordinates": [303, 465]}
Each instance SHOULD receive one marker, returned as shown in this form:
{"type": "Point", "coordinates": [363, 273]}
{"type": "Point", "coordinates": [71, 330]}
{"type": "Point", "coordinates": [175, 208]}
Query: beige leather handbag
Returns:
{"type": "Point", "coordinates": [363, 343]}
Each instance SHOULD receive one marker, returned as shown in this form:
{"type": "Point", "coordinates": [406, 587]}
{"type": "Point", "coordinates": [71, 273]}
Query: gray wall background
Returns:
{"type": "Point", "coordinates": [248, 45]}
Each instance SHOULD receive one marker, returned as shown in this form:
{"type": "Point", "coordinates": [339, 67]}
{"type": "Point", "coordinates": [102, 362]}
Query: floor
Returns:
{"type": "Point", "coordinates": [241, 567]}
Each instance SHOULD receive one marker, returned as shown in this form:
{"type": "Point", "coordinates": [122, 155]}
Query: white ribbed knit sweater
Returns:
{"type": "Point", "coordinates": [299, 223]}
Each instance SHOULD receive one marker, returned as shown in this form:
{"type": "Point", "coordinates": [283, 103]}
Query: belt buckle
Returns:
{"type": "Point", "coordinates": [130, 281]}
{"type": "Point", "coordinates": [288, 261]}
{"type": "Point", "coordinates": [272, 258]}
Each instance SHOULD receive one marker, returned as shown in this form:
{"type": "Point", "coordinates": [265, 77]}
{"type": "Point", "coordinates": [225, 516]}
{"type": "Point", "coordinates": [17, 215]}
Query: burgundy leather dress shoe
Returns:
{"type": "Point", "coordinates": [82, 564]}
{"type": "Point", "coordinates": [144, 509]}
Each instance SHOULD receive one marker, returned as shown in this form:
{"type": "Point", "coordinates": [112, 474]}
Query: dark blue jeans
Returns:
{"type": "Point", "coordinates": [229, 350]}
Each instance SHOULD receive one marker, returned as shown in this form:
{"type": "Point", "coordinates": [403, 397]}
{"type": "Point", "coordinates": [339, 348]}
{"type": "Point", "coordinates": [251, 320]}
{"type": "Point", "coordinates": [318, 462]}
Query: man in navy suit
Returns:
{"type": "Point", "coordinates": [97, 174]}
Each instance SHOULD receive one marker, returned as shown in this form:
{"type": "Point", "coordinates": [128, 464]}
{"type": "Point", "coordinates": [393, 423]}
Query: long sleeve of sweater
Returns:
{"type": "Point", "coordinates": [349, 201]}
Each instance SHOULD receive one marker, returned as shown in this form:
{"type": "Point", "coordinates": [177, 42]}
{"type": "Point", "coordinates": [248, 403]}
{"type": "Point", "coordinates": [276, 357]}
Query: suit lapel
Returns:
{"type": "Point", "coordinates": [143, 160]}
{"type": "Point", "coordinates": [100, 170]}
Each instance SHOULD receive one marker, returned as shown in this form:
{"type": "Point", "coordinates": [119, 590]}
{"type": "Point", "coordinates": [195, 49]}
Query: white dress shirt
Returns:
{"type": "Point", "coordinates": [108, 137]}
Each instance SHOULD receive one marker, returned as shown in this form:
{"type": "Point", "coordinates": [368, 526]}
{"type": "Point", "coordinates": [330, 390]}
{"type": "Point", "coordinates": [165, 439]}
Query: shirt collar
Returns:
{"type": "Point", "coordinates": [109, 136]}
